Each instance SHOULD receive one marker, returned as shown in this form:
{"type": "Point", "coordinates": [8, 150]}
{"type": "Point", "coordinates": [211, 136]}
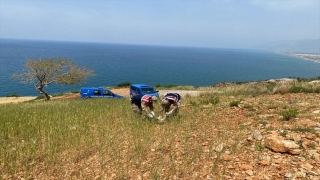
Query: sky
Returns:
{"type": "Point", "coordinates": [195, 23]}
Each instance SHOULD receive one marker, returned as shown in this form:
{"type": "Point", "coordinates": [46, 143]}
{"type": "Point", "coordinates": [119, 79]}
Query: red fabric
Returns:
{"type": "Point", "coordinates": [172, 99]}
{"type": "Point", "coordinates": [146, 99]}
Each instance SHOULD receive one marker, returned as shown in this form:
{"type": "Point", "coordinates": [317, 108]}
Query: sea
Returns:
{"type": "Point", "coordinates": [115, 64]}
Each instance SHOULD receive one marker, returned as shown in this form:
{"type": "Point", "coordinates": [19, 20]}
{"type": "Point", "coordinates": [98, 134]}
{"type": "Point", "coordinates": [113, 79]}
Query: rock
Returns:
{"type": "Point", "coordinates": [226, 157]}
{"type": "Point", "coordinates": [277, 161]}
{"type": "Point", "coordinates": [311, 136]}
{"type": "Point", "coordinates": [219, 148]}
{"type": "Point", "coordinates": [313, 173]}
{"type": "Point", "coordinates": [249, 172]}
{"type": "Point", "coordinates": [256, 135]}
{"type": "Point", "coordinates": [278, 144]}
{"type": "Point", "coordinates": [301, 174]}
{"type": "Point", "coordinates": [316, 112]}
{"type": "Point", "coordinates": [288, 175]}
{"type": "Point", "coordinates": [306, 166]}
{"type": "Point", "coordinates": [295, 151]}
{"type": "Point", "coordinates": [246, 167]}
{"type": "Point", "coordinates": [264, 162]}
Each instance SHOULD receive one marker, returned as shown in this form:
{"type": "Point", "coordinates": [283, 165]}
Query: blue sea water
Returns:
{"type": "Point", "coordinates": [115, 63]}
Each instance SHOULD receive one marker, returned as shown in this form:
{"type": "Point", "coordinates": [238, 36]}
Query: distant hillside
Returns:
{"type": "Point", "coordinates": [300, 46]}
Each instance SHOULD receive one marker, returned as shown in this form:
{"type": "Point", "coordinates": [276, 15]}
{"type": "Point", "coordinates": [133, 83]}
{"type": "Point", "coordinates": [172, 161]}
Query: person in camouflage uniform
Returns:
{"type": "Point", "coordinates": [169, 99]}
{"type": "Point", "coordinates": [143, 104]}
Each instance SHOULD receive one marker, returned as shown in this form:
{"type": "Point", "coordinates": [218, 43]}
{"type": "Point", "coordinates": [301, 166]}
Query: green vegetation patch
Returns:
{"type": "Point", "coordinates": [289, 114]}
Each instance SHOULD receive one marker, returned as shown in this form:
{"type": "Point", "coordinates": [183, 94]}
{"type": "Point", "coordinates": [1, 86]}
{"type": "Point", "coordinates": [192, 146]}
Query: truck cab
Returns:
{"type": "Point", "coordinates": [91, 92]}
{"type": "Point", "coordinates": [137, 89]}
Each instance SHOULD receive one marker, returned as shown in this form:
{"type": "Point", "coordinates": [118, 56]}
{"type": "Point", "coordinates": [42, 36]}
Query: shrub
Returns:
{"type": "Point", "coordinates": [170, 86]}
{"type": "Point", "coordinates": [122, 85]}
{"type": "Point", "coordinates": [271, 86]}
{"type": "Point", "coordinates": [299, 89]}
{"type": "Point", "coordinates": [12, 95]}
{"type": "Point", "coordinates": [282, 89]}
{"type": "Point", "coordinates": [234, 103]}
{"type": "Point", "coordinates": [288, 114]}
{"type": "Point", "coordinates": [75, 91]}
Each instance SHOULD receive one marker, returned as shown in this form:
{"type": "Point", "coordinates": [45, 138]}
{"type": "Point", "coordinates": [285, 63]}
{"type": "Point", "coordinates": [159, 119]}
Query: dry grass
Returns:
{"type": "Point", "coordinates": [103, 139]}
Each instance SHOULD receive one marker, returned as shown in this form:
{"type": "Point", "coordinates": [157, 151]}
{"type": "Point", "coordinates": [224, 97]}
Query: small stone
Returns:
{"type": "Point", "coordinates": [301, 174]}
{"type": "Point", "coordinates": [307, 166]}
{"type": "Point", "coordinates": [219, 148]}
{"type": "Point", "coordinates": [277, 161]}
{"type": "Point", "coordinates": [311, 136]}
{"type": "Point", "coordinates": [264, 162]}
{"type": "Point", "coordinates": [313, 173]}
{"type": "Point", "coordinates": [316, 112]}
{"type": "Point", "coordinates": [288, 175]}
{"type": "Point", "coordinates": [246, 167]}
{"type": "Point", "coordinates": [249, 172]}
{"type": "Point", "coordinates": [256, 135]}
{"type": "Point", "coordinates": [226, 157]}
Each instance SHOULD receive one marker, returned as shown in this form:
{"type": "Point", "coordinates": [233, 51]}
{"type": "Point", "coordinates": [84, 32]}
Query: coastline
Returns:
{"type": "Point", "coordinates": [306, 56]}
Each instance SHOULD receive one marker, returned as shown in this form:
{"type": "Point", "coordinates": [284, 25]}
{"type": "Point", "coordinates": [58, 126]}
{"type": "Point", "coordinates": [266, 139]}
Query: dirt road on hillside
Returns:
{"type": "Point", "coordinates": [123, 92]}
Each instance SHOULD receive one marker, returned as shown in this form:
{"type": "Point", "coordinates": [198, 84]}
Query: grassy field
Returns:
{"type": "Point", "coordinates": [103, 139]}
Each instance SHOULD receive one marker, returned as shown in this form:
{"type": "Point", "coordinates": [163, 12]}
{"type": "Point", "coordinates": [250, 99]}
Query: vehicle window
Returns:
{"type": "Point", "coordinates": [96, 92]}
{"type": "Point", "coordinates": [133, 88]}
{"type": "Point", "coordinates": [138, 91]}
{"type": "Point", "coordinates": [107, 93]}
{"type": "Point", "coordinates": [147, 90]}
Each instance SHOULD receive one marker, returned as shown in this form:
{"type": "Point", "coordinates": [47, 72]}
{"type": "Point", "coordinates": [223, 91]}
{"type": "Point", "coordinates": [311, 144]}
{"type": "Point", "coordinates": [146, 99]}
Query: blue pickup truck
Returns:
{"type": "Point", "coordinates": [91, 92]}
{"type": "Point", "coordinates": [136, 89]}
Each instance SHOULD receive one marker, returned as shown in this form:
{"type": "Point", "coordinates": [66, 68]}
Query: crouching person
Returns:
{"type": "Point", "coordinates": [169, 99]}
{"type": "Point", "coordinates": [143, 105]}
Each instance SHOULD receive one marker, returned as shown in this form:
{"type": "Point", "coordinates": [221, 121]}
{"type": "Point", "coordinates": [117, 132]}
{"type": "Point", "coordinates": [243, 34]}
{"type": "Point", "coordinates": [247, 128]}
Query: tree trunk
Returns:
{"type": "Point", "coordinates": [39, 89]}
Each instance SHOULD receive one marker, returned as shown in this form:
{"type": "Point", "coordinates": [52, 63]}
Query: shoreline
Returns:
{"type": "Point", "coordinates": [306, 56]}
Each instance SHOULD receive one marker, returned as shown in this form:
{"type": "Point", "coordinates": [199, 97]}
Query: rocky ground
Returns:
{"type": "Point", "coordinates": [276, 148]}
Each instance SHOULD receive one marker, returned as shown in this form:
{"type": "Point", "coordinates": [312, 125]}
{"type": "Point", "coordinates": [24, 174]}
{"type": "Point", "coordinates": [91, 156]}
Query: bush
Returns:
{"type": "Point", "coordinates": [12, 95]}
{"type": "Point", "coordinates": [299, 89]}
{"type": "Point", "coordinates": [123, 85]}
{"type": "Point", "coordinates": [75, 91]}
{"type": "Point", "coordinates": [288, 114]}
{"type": "Point", "coordinates": [170, 86]}
{"type": "Point", "coordinates": [234, 103]}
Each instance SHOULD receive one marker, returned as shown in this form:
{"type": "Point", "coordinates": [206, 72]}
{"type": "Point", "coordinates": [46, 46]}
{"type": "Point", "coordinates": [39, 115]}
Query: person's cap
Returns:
{"type": "Point", "coordinates": [154, 98]}
{"type": "Point", "coordinates": [165, 102]}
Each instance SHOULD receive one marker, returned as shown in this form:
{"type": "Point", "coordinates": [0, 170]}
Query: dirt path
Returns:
{"type": "Point", "coordinates": [123, 92]}
{"type": "Point", "coordinates": [4, 100]}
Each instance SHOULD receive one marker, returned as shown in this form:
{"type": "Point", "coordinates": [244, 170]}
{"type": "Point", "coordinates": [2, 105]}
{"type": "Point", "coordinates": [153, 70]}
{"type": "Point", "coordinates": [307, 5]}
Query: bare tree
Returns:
{"type": "Point", "coordinates": [43, 72]}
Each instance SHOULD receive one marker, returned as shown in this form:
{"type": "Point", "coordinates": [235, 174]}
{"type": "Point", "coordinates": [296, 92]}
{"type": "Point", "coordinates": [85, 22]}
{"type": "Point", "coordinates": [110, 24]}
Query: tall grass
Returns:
{"type": "Point", "coordinates": [103, 139]}
{"type": "Point", "coordinates": [61, 139]}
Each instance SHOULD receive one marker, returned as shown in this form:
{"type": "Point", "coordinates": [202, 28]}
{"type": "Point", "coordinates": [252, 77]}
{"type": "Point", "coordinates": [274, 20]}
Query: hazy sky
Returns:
{"type": "Point", "coordinates": [202, 23]}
